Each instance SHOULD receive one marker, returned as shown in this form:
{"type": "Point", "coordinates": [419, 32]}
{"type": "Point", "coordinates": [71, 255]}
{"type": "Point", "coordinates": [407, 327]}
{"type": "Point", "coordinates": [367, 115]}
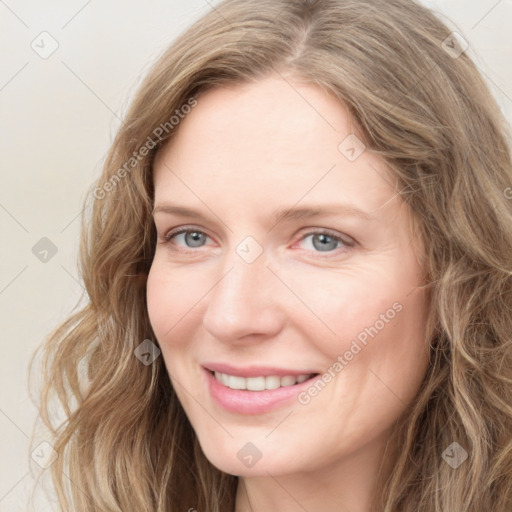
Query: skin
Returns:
{"type": "Point", "coordinates": [241, 153]}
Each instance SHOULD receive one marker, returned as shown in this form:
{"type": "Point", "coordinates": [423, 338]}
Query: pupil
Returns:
{"type": "Point", "coordinates": [327, 242]}
{"type": "Point", "coordinates": [194, 239]}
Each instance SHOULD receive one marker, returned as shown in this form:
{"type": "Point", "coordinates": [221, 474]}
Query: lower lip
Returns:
{"type": "Point", "coordinates": [253, 402]}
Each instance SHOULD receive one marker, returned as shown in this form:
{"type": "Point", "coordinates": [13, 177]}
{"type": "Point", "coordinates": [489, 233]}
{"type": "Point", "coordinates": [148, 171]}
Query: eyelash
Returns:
{"type": "Point", "coordinates": [190, 229]}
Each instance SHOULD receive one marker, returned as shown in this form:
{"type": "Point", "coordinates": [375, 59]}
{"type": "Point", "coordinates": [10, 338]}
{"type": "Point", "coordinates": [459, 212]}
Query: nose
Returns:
{"type": "Point", "coordinates": [245, 302]}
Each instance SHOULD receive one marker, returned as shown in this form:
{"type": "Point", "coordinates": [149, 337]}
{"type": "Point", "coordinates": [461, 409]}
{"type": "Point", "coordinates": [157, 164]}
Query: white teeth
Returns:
{"type": "Point", "coordinates": [236, 382]}
{"type": "Point", "coordinates": [259, 383]}
{"type": "Point", "coordinates": [272, 382]}
{"type": "Point", "coordinates": [289, 380]}
{"type": "Point", "coordinates": [255, 383]}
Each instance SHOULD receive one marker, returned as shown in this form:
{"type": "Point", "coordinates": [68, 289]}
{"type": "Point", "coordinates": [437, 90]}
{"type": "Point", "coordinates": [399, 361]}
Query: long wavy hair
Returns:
{"type": "Point", "coordinates": [125, 442]}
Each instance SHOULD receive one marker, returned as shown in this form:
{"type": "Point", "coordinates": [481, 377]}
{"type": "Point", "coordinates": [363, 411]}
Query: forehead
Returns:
{"type": "Point", "coordinates": [266, 142]}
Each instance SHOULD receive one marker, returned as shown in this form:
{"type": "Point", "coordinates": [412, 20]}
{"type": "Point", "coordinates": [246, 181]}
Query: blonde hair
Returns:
{"type": "Point", "coordinates": [126, 443]}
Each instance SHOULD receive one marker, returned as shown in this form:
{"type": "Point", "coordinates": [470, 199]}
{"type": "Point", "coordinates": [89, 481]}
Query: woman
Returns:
{"type": "Point", "coordinates": [299, 274]}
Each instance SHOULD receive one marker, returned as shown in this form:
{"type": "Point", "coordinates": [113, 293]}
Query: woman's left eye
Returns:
{"type": "Point", "coordinates": [324, 241]}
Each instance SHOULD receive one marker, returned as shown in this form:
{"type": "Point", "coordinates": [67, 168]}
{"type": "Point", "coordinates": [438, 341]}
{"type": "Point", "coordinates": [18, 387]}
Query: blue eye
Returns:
{"type": "Point", "coordinates": [192, 238]}
{"type": "Point", "coordinates": [324, 242]}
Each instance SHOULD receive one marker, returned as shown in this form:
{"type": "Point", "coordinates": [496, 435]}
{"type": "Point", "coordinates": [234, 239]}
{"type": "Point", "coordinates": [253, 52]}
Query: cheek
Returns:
{"type": "Point", "coordinates": [167, 303]}
{"type": "Point", "coordinates": [374, 316]}
{"type": "Point", "coordinates": [335, 307]}
{"type": "Point", "coordinates": [171, 297]}
{"type": "Point", "coordinates": [159, 300]}
{"type": "Point", "coordinates": [381, 350]}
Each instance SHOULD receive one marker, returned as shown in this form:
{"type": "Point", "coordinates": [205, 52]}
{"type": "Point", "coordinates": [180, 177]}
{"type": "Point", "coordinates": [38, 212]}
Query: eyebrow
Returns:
{"type": "Point", "coordinates": [279, 215]}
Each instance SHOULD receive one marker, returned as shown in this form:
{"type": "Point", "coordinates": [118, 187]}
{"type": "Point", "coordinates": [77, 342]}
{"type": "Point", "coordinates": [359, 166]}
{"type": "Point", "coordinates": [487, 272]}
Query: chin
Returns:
{"type": "Point", "coordinates": [244, 458]}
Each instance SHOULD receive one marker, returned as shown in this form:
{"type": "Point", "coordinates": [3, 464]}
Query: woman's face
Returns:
{"type": "Point", "coordinates": [331, 288]}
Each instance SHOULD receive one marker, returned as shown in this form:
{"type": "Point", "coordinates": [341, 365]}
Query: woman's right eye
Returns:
{"type": "Point", "coordinates": [186, 237]}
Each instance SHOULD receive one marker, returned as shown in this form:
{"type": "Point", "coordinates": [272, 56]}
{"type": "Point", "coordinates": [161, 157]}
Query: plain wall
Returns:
{"type": "Point", "coordinates": [58, 116]}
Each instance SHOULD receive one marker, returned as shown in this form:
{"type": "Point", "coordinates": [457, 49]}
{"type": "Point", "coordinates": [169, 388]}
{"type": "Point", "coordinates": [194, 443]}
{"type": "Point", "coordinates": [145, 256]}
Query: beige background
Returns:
{"type": "Point", "coordinates": [58, 117]}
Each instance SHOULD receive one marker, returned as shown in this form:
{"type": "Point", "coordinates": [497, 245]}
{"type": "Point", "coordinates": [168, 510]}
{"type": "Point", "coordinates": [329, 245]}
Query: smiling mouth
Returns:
{"type": "Point", "coordinates": [260, 383]}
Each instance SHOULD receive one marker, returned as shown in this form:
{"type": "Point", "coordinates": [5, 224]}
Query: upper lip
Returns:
{"type": "Point", "coordinates": [254, 371]}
